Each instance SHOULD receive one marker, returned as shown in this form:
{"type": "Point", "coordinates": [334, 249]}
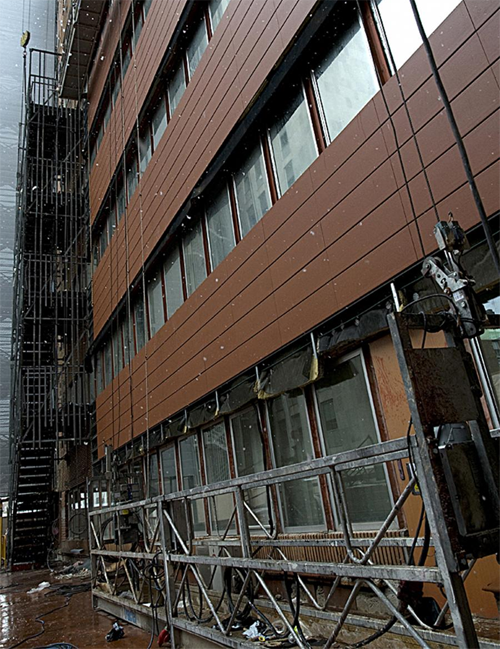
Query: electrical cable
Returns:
{"type": "Point", "coordinates": [458, 137]}
{"type": "Point", "coordinates": [40, 620]}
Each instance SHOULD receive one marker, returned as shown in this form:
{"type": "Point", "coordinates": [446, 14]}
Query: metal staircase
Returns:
{"type": "Point", "coordinates": [50, 403]}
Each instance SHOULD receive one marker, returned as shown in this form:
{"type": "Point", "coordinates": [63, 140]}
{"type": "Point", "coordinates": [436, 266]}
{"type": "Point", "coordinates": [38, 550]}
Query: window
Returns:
{"type": "Point", "coordinates": [194, 258]}
{"type": "Point", "coordinates": [217, 9]}
{"type": "Point", "coordinates": [301, 502]}
{"type": "Point", "coordinates": [249, 458]}
{"type": "Point", "coordinates": [115, 83]}
{"type": "Point", "coordinates": [139, 324]}
{"type": "Point", "coordinates": [147, 7]}
{"type": "Point", "coordinates": [138, 24]}
{"type": "Point", "coordinates": [400, 26]}
{"type": "Point", "coordinates": [292, 142]}
{"type": "Point", "coordinates": [125, 334]}
{"type": "Point", "coordinates": [120, 198]}
{"type": "Point", "coordinates": [98, 372]}
{"type": "Point", "coordinates": [176, 87]}
{"type": "Point", "coordinates": [252, 190]}
{"type": "Point", "coordinates": [107, 111]}
{"type": "Point", "coordinates": [108, 363]}
{"type": "Point", "coordinates": [103, 241]}
{"type": "Point", "coordinates": [155, 304]}
{"type": "Point", "coordinates": [126, 56]}
{"type": "Point", "coordinates": [169, 470]}
{"type": "Point", "coordinates": [197, 46]}
{"type": "Point", "coordinates": [346, 78]}
{"type": "Point", "coordinates": [159, 121]}
{"type": "Point", "coordinates": [217, 470]}
{"type": "Point", "coordinates": [118, 351]}
{"type": "Point", "coordinates": [347, 422]}
{"type": "Point", "coordinates": [131, 172]}
{"type": "Point", "coordinates": [111, 223]}
{"type": "Point", "coordinates": [486, 350]}
{"type": "Point", "coordinates": [173, 281]}
{"type": "Point", "coordinates": [153, 485]}
{"type": "Point", "coordinates": [144, 147]}
{"type": "Point", "coordinates": [220, 227]}
{"type": "Point", "coordinates": [191, 477]}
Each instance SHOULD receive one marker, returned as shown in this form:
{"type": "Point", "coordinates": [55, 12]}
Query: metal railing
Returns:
{"type": "Point", "coordinates": [148, 555]}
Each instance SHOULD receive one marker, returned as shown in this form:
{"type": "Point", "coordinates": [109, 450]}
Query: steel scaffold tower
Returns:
{"type": "Point", "coordinates": [51, 316]}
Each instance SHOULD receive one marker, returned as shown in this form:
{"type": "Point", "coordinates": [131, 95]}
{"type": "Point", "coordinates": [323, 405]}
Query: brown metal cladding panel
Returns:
{"type": "Point", "coordinates": [480, 10]}
{"type": "Point", "coordinates": [316, 307]}
{"type": "Point", "coordinates": [366, 235]}
{"type": "Point", "coordinates": [365, 274]}
{"type": "Point", "coordinates": [108, 46]}
{"type": "Point", "coordinates": [366, 197]}
{"type": "Point", "coordinates": [368, 273]}
{"type": "Point", "coordinates": [488, 35]}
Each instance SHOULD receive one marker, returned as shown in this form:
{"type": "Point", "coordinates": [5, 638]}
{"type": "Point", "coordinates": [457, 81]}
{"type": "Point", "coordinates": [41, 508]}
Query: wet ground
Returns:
{"type": "Point", "coordinates": [76, 623]}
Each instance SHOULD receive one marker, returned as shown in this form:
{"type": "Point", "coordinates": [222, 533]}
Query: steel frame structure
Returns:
{"type": "Point", "coordinates": [175, 558]}
{"type": "Point", "coordinates": [52, 305]}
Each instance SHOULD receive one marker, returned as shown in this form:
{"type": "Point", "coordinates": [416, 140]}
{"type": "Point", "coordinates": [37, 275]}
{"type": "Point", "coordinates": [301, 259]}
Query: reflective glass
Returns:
{"type": "Point", "coordinates": [347, 422]}
{"type": "Point", "coordinates": [169, 470]}
{"type": "Point", "coordinates": [194, 258]}
{"type": "Point", "coordinates": [252, 190]}
{"type": "Point", "coordinates": [217, 470]}
{"type": "Point", "coordinates": [217, 9]}
{"type": "Point", "coordinates": [176, 87]}
{"type": "Point", "coordinates": [292, 142]}
{"type": "Point", "coordinates": [220, 227]}
{"type": "Point", "coordinates": [173, 281]}
{"type": "Point", "coordinates": [159, 121]}
{"type": "Point", "coordinates": [197, 46]}
{"type": "Point", "coordinates": [155, 304]}
{"type": "Point", "coordinates": [191, 477]}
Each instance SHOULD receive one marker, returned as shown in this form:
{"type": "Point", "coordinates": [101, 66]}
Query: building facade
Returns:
{"type": "Point", "coordinates": [264, 178]}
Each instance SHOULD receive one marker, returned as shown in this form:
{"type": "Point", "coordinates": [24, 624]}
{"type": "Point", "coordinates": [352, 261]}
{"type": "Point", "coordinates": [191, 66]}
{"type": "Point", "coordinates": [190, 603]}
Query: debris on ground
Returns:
{"type": "Point", "coordinates": [41, 586]}
{"type": "Point", "coordinates": [116, 633]}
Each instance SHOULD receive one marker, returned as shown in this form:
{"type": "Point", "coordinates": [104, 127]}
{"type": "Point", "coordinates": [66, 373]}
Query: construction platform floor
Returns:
{"type": "Point", "coordinates": [76, 623]}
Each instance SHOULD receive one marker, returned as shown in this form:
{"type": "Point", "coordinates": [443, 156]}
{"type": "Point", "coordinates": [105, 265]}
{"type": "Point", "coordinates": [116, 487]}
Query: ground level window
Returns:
{"type": "Point", "coordinates": [217, 470]}
{"type": "Point", "coordinates": [300, 500]}
{"type": "Point", "coordinates": [347, 422]}
{"type": "Point", "coordinates": [191, 477]}
{"type": "Point", "coordinates": [249, 458]}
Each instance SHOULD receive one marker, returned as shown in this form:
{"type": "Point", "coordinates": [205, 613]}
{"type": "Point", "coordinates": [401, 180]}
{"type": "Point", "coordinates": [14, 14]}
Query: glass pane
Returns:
{"type": "Point", "coordinates": [301, 503]}
{"type": "Point", "coordinates": [115, 89]}
{"type": "Point", "coordinates": [217, 470]}
{"type": "Point", "coordinates": [169, 470]}
{"type": "Point", "coordinates": [220, 228]}
{"type": "Point", "coordinates": [197, 46]}
{"type": "Point", "coordinates": [346, 78]}
{"type": "Point", "coordinates": [490, 346]}
{"type": "Point", "coordinates": [300, 499]}
{"type": "Point", "coordinates": [176, 87]}
{"type": "Point", "coordinates": [107, 112]}
{"type": "Point", "coordinates": [153, 486]}
{"type": "Point", "coordinates": [173, 282]}
{"type": "Point", "coordinates": [159, 121]}
{"type": "Point", "coordinates": [252, 190]}
{"type": "Point", "coordinates": [347, 423]}
{"type": "Point", "coordinates": [124, 332]}
{"type": "Point", "coordinates": [144, 148]}
{"type": "Point", "coordinates": [120, 199]}
{"type": "Point", "coordinates": [103, 241]}
{"type": "Point", "coordinates": [138, 23]}
{"type": "Point", "coordinates": [155, 304]}
{"type": "Point", "coordinates": [140, 331]}
{"type": "Point", "coordinates": [147, 7]}
{"type": "Point", "coordinates": [98, 372]}
{"type": "Point", "coordinates": [292, 142]}
{"type": "Point", "coordinates": [191, 477]}
{"type": "Point", "coordinates": [111, 223]}
{"type": "Point", "coordinates": [250, 458]}
{"type": "Point", "coordinates": [401, 28]}
{"type": "Point", "coordinates": [125, 59]}
{"type": "Point", "coordinates": [131, 176]}
{"type": "Point", "coordinates": [194, 258]}
{"type": "Point", "coordinates": [217, 9]}
{"type": "Point", "coordinates": [117, 351]}
{"type": "Point", "coordinates": [108, 367]}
